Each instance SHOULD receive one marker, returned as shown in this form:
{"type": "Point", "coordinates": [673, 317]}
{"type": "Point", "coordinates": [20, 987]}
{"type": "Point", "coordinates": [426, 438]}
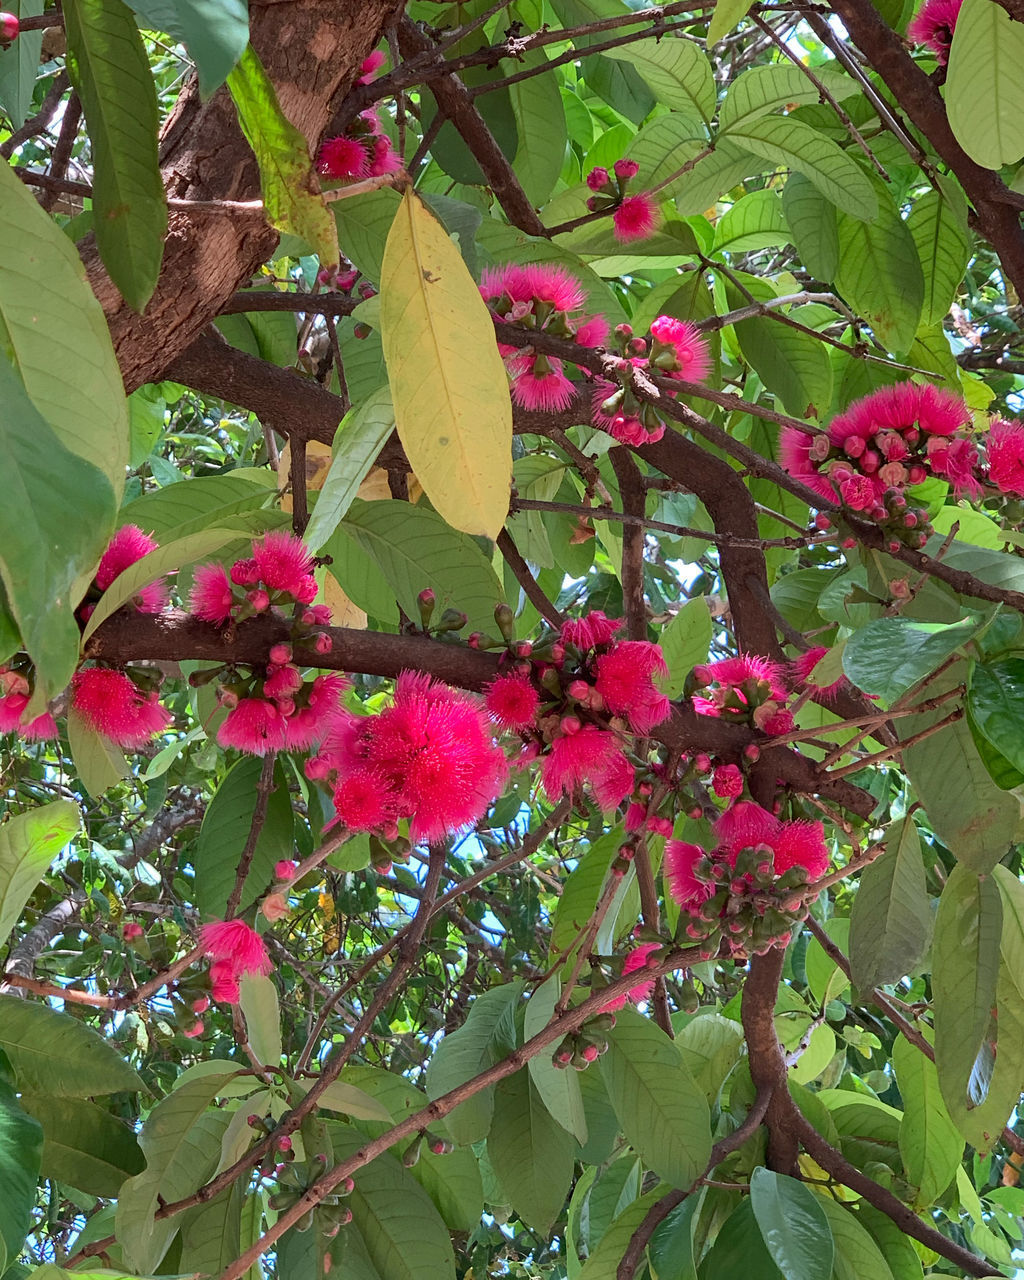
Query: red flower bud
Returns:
{"type": "Point", "coordinates": [9, 27]}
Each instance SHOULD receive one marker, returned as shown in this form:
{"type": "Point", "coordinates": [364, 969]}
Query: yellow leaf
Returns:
{"type": "Point", "coordinates": [448, 383]}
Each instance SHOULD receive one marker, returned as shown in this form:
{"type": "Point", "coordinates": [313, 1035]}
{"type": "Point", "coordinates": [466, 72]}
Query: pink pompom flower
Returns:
{"type": "Point", "coordinates": [126, 547]}
{"type": "Point", "coordinates": [687, 891]}
{"type": "Point", "coordinates": [285, 869]}
{"type": "Point", "coordinates": [370, 65]}
{"type": "Point", "coordinates": [635, 218]}
{"type": "Point", "coordinates": [933, 25]}
{"type": "Point", "coordinates": [539, 383]}
{"type": "Point", "coordinates": [634, 963]}
{"type": "Point", "coordinates": [686, 354]}
{"type": "Point", "coordinates": [212, 598]}
{"type": "Point", "coordinates": [593, 629]}
{"type": "Point", "coordinates": [343, 157]}
{"type": "Point", "coordinates": [236, 950]}
{"type": "Point", "coordinates": [114, 705]}
{"type": "Point", "coordinates": [254, 726]}
{"type": "Point", "coordinates": [284, 563]}
{"type": "Point", "coordinates": [512, 702]}
{"type": "Point", "coordinates": [1005, 449]}
{"type": "Point", "coordinates": [625, 680]}
{"type": "Point", "coordinates": [590, 754]}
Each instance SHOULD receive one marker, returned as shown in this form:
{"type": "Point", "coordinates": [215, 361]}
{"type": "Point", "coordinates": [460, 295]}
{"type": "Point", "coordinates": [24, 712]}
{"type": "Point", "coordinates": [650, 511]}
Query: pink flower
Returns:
{"type": "Point", "coordinates": [727, 781]}
{"type": "Point", "coordinates": [797, 457]}
{"type": "Point", "coordinates": [510, 279]}
{"type": "Point", "coordinates": [284, 563]}
{"type": "Point", "coordinates": [594, 629]}
{"type": "Point", "coordinates": [635, 218]}
{"type": "Point", "coordinates": [860, 493]}
{"type": "Point", "coordinates": [282, 682]}
{"type": "Point", "coordinates": [956, 460]}
{"type": "Point", "coordinates": [12, 708]}
{"type": "Point", "coordinates": [312, 722]}
{"type": "Point", "coordinates": [433, 748]}
{"type": "Point", "coordinates": [690, 348]}
{"type": "Point", "coordinates": [211, 598]}
{"type": "Point", "coordinates": [363, 802]}
{"type": "Point", "coordinates": [625, 680]}
{"type": "Point", "coordinates": [612, 784]}
{"type": "Point", "coordinates": [626, 169]}
{"type": "Point", "coordinates": [1005, 449]}
{"type": "Point", "coordinates": [116, 707]}
{"type": "Point", "coordinates": [385, 158]}
{"type": "Point", "coordinates": [131, 931]}
{"type": "Point", "coordinates": [275, 907]}
{"type": "Point", "coordinates": [343, 158]}
{"type": "Point", "coordinates": [634, 962]}
{"type": "Point", "coordinates": [747, 825]}
{"type": "Point", "coordinates": [803, 671]}
{"type": "Point", "coordinates": [127, 546]}
{"type": "Point", "coordinates": [236, 950]}
{"type": "Point", "coordinates": [745, 667]}
{"type": "Point", "coordinates": [554, 285]}
{"type": "Point", "coordinates": [933, 25]}
{"type": "Point", "coordinates": [592, 331]}
{"type": "Point", "coordinates": [284, 870]}
{"type": "Point", "coordinates": [598, 179]}
{"type": "Point", "coordinates": [901, 407]}
{"type": "Point", "coordinates": [589, 755]}
{"type": "Point", "coordinates": [744, 826]}
{"type": "Point", "coordinates": [800, 844]}
{"type": "Point", "coordinates": [513, 702]}
{"type": "Point", "coordinates": [540, 384]}
{"type": "Point", "coordinates": [369, 65]}
{"type": "Point", "coordinates": [680, 861]}
{"type": "Point", "coordinates": [255, 726]}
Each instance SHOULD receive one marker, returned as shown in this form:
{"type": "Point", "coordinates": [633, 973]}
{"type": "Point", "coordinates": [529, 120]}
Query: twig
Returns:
{"type": "Point", "coordinates": [529, 584]}
{"type": "Point", "coordinates": [40, 122]}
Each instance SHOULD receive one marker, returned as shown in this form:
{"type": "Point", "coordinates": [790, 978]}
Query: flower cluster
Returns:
{"type": "Point", "coordinates": [751, 886]}
{"type": "Point", "coordinates": [747, 689]}
{"type": "Point", "coordinates": [364, 150]}
{"type": "Point", "coordinates": [429, 757]}
{"type": "Point", "coordinates": [894, 437]}
{"type": "Point", "coordinates": [123, 706]}
{"type": "Point", "coordinates": [548, 299]}
{"type": "Point", "coordinates": [933, 25]}
{"type": "Point", "coordinates": [1004, 448]}
{"type": "Point", "coordinates": [126, 547]}
{"type": "Point", "coordinates": [597, 693]}
{"type": "Point", "coordinates": [235, 950]}
{"type": "Point", "coordinates": [635, 216]}
{"type": "Point", "coordinates": [676, 350]}
{"type": "Point", "coordinates": [275, 707]}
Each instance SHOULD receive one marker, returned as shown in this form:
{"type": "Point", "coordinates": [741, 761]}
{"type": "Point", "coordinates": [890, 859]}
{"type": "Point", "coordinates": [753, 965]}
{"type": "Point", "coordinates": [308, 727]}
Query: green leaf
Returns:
{"type": "Point", "coordinates": [685, 642]}
{"type": "Point", "coordinates": [194, 505]}
{"type": "Point", "coordinates": [448, 382]}
{"type": "Point", "coordinates": [988, 49]}
{"type": "Point", "coordinates": [678, 73]}
{"type": "Point", "coordinates": [531, 1153]}
{"type": "Point", "coordinates": [930, 1143]}
{"type": "Point", "coordinates": [55, 518]}
{"type": "Point", "coordinates": [812, 220]}
{"type": "Point", "coordinates": [157, 564]}
{"type": "Point", "coordinates": [363, 224]}
{"type": "Point", "coordinates": [258, 1002]}
{"type": "Point", "coordinates": [671, 1246]}
{"type": "Point", "coordinates": [701, 187]}
{"type": "Point", "coordinates": [99, 763]}
{"type": "Point", "coordinates": [215, 32]}
{"type": "Point", "coordinates": [792, 1224]}
{"type": "Point", "coordinates": [211, 1233]}
{"type": "Point", "coordinates": [558, 1090]}
{"type": "Point", "coordinates": [412, 548]}
{"type": "Point", "coordinates": [357, 442]}
{"type": "Point", "coordinates": [965, 970]}
{"type": "Point", "coordinates": [54, 1053]}
{"type": "Point", "coordinates": [943, 248]}
{"type": "Point", "coordinates": [755, 221]}
{"type": "Point", "coordinates": [110, 70]}
{"type": "Point", "coordinates": [21, 1141]}
{"type": "Point", "coordinates": [891, 920]}
{"type": "Point", "coordinates": [967, 810]}
{"type": "Point", "coordinates": [663, 1114]}
{"type": "Point", "coordinates": [880, 273]}
{"type": "Point", "coordinates": [711, 1046]}
{"type": "Point", "coordinates": [857, 1257]}
{"type": "Point", "coordinates": [759, 90]}
{"type": "Point", "coordinates": [896, 1247]}
{"type": "Point", "coordinates": [995, 699]}
{"type": "Point", "coordinates": [28, 844]}
{"type": "Point", "coordinates": [84, 1146]}
{"type": "Point", "coordinates": [464, 1053]}
{"type": "Point", "coordinates": [739, 1250]}
{"type": "Point", "coordinates": [726, 15]}
{"type": "Point", "coordinates": [291, 192]}
{"type": "Point", "coordinates": [225, 830]}
{"type": "Point", "coordinates": [603, 1263]}
{"type": "Point", "coordinates": [580, 893]}
{"type": "Point", "coordinates": [789, 143]}
{"type": "Point", "coordinates": [354, 1102]}
{"type": "Point", "coordinates": [177, 1149]}
{"type": "Point", "coordinates": [19, 65]}
{"type": "Point", "coordinates": [540, 121]}
{"type": "Point", "coordinates": [52, 329]}
{"type": "Point", "coordinates": [399, 1231]}
{"type": "Point", "coordinates": [890, 655]}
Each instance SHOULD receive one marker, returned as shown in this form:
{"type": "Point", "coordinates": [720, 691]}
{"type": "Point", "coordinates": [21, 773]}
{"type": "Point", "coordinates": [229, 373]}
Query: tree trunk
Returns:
{"type": "Point", "coordinates": [311, 50]}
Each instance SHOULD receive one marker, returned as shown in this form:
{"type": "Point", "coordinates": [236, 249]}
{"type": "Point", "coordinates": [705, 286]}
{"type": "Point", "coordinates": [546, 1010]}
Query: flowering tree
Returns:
{"type": "Point", "coordinates": [511, 667]}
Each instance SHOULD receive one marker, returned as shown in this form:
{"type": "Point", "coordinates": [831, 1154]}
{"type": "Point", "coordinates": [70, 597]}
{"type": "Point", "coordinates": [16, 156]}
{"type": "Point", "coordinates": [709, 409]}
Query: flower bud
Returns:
{"type": "Point", "coordinates": [280, 654]}
{"type": "Point", "coordinates": [9, 27]}
{"type": "Point", "coordinates": [598, 179]}
{"type": "Point", "coordinates": [626, 169]}
{"type": "Point", "coordinates": [506, 621]}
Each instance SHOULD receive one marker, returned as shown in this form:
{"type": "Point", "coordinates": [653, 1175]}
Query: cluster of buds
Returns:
{"type": "Point", "coordinates": [364, 150]}
{"type": "Point", "coordinates": [634, 216]}
{"type": "Point", "coordinates": [750, 909]}
{"type": "Point", "coordinates": [294, 1180]}
{"type": "Point", "coordinates": [451, 620]}
{"type": "Point", "coordinates": [747, 689]}
{"type": "Point", "coordinates": [582, 1047]}
{"type": "Point", "coordinates": [895, 437]}
{"type": "Point", "coordinates": [9, 27]}
{"type": "Point", "coordinates": [187, 1009]}
{"type": "Point", "coordinates": [675, 349]}
{"type": "Point", "coordinates": [902, 524]}
{"type": "Point", "coordinates": [434, 1143]}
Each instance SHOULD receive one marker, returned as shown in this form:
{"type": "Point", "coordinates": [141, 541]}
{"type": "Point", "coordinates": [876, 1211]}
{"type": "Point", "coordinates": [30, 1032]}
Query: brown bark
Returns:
{"type": "Point", "coordinates": [311, 50]}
